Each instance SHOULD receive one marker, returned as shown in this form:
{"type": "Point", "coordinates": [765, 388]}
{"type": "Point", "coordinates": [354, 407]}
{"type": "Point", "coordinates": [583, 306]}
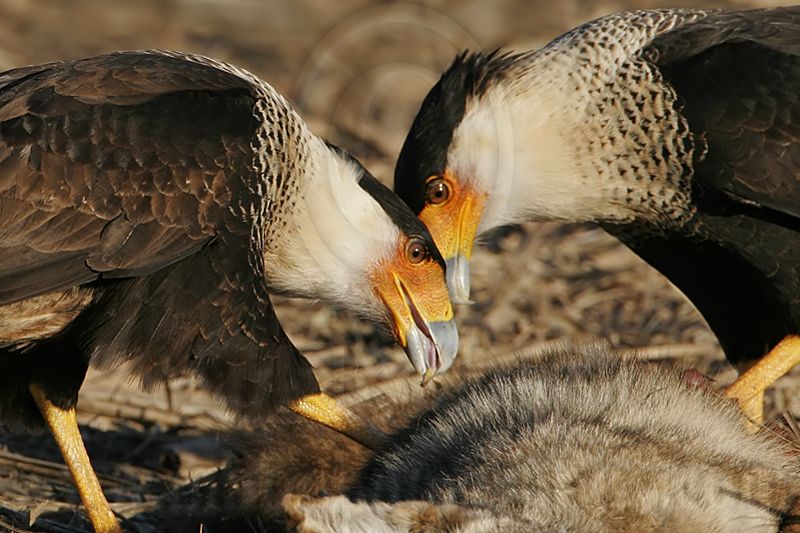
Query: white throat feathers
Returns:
{"type": "Point", "coordinates": [332, 237]}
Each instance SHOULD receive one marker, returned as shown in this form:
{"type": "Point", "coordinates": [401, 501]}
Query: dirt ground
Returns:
{"type": "Point", "coordinates": [357, 71]}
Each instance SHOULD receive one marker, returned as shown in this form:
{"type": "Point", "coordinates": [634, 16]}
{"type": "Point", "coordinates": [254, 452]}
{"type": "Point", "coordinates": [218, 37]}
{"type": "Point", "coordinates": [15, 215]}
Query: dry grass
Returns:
{"type": "Point", "coordinates": [357, 73]}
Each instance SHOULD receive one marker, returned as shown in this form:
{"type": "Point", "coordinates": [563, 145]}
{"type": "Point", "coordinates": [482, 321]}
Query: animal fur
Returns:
{"type": "Point", "coordinates": [571, 440]}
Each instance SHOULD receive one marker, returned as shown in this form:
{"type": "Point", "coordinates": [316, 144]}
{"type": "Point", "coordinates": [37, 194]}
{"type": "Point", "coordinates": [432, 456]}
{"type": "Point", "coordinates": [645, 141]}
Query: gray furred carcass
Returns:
{"type": "Point", "coordinates": [575, 439]}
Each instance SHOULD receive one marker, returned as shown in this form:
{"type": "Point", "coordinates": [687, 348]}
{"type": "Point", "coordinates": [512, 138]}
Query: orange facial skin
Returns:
{"type": "Point", "coordinates": [453, 223]}
{"type": "Point", "coordinates": [398, 279]}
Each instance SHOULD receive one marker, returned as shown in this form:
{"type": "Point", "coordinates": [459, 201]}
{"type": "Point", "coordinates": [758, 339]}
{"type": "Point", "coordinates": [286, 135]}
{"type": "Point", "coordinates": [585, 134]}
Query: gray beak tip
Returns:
{"type": "Point", "coordinates": [433, 354]}
{"type": "Point", "coordinates": [445, 337]}
{"type": "Point", "coordinates": [458, 279]}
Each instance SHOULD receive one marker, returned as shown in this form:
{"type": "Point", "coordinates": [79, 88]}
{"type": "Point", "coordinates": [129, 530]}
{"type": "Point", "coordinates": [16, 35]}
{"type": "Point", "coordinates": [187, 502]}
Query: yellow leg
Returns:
{"type": "Point", "coordinates": [64, 426]}
{"type": "Point", "coordinates": [749, 389]}
{"type": "Point", "coordinates": [325, 410]}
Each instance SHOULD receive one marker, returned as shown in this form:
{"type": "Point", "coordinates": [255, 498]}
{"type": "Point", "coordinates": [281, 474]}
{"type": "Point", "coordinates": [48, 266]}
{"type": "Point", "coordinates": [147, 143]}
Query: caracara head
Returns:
{"type": "Point", "coordinates": [487, 149]}
{"type": "Point", "coordinates": [350, 240]}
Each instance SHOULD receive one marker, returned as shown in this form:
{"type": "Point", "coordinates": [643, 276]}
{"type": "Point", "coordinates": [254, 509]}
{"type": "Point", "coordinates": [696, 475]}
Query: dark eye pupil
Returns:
{"type": "Point", "coordinates": [437, 191]}
{"type": "Point", "coordinates": [416, 252]}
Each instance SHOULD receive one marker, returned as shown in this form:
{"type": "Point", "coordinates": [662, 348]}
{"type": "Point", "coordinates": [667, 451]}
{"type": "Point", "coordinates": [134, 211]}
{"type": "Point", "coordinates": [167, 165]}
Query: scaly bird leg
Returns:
{"type": "Point", "coordinates": [63, 424]}
{"type": "Point", "coordinates": [325, 410]}
{"type": "Point", "coordinates": [749, 389]}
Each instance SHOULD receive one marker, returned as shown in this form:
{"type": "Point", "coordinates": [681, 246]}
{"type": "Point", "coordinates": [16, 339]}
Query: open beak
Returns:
{"type": "Point", "coordinates": [431, 345]}
{"type": "Point", "coordinates": [453, 227]}
{"type": "Point", "coordinates": [422, 317]}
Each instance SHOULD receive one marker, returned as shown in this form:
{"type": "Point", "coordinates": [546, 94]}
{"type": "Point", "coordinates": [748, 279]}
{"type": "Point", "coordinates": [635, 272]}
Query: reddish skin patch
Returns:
{"type": "Point", "coordinates": [779, 430]}
{"type": "Point", "coordinates": [694, 379]}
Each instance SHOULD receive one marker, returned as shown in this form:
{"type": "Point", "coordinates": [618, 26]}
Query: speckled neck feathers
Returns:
{"type": "Point", "coordinates": [588, 108]}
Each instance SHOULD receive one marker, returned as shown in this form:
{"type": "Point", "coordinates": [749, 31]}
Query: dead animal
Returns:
{"type": "Point", "coordinates": [578, 439]}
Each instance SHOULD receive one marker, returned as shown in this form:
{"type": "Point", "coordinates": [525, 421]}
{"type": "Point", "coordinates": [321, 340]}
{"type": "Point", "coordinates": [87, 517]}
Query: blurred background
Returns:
{"type": "Point", "coordinates": [357, 71]}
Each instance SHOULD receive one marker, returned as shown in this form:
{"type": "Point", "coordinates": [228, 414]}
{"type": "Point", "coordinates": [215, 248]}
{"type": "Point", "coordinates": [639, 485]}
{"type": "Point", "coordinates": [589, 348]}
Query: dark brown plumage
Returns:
{"type": "Point", "coordinates": [113, 170]}
{"type": "Point", "coordinates": [149, 204]}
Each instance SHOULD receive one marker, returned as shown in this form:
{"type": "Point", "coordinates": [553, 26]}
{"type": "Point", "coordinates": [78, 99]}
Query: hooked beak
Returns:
{"type": "Point", "coordinates": [421, 314]}
{"type": "Point", "coordinates": [453, 227]}
{"type": "Point", "coordinates": [431, 346]}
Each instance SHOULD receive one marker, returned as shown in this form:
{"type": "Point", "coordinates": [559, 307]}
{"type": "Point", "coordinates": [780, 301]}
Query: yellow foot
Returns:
{"type": "Point", "coordinates": [325, 410]}
{"type": "Point", "coordinates": [64, 426]}
{"type": "Point", "coordinates": [749, 389]}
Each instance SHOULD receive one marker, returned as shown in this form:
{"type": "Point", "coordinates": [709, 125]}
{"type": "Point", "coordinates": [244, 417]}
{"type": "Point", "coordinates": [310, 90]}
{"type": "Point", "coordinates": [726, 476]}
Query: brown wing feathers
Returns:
{"type": "Point", "coordinates": [130, 187]}
{"type": "Point", "coordinates": [208, 315]}
{"type": "Point", "coordinates": [737, 73]}
{"type": "Point", "coordinates": [124, 169]}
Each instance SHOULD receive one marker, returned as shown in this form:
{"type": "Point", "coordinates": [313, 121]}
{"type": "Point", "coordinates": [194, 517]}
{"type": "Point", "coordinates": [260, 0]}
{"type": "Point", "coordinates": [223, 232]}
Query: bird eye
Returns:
{"type": "Point", "coordinates": [437, 191]}
{"type": "Point", "coordinates": [416, 251]}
